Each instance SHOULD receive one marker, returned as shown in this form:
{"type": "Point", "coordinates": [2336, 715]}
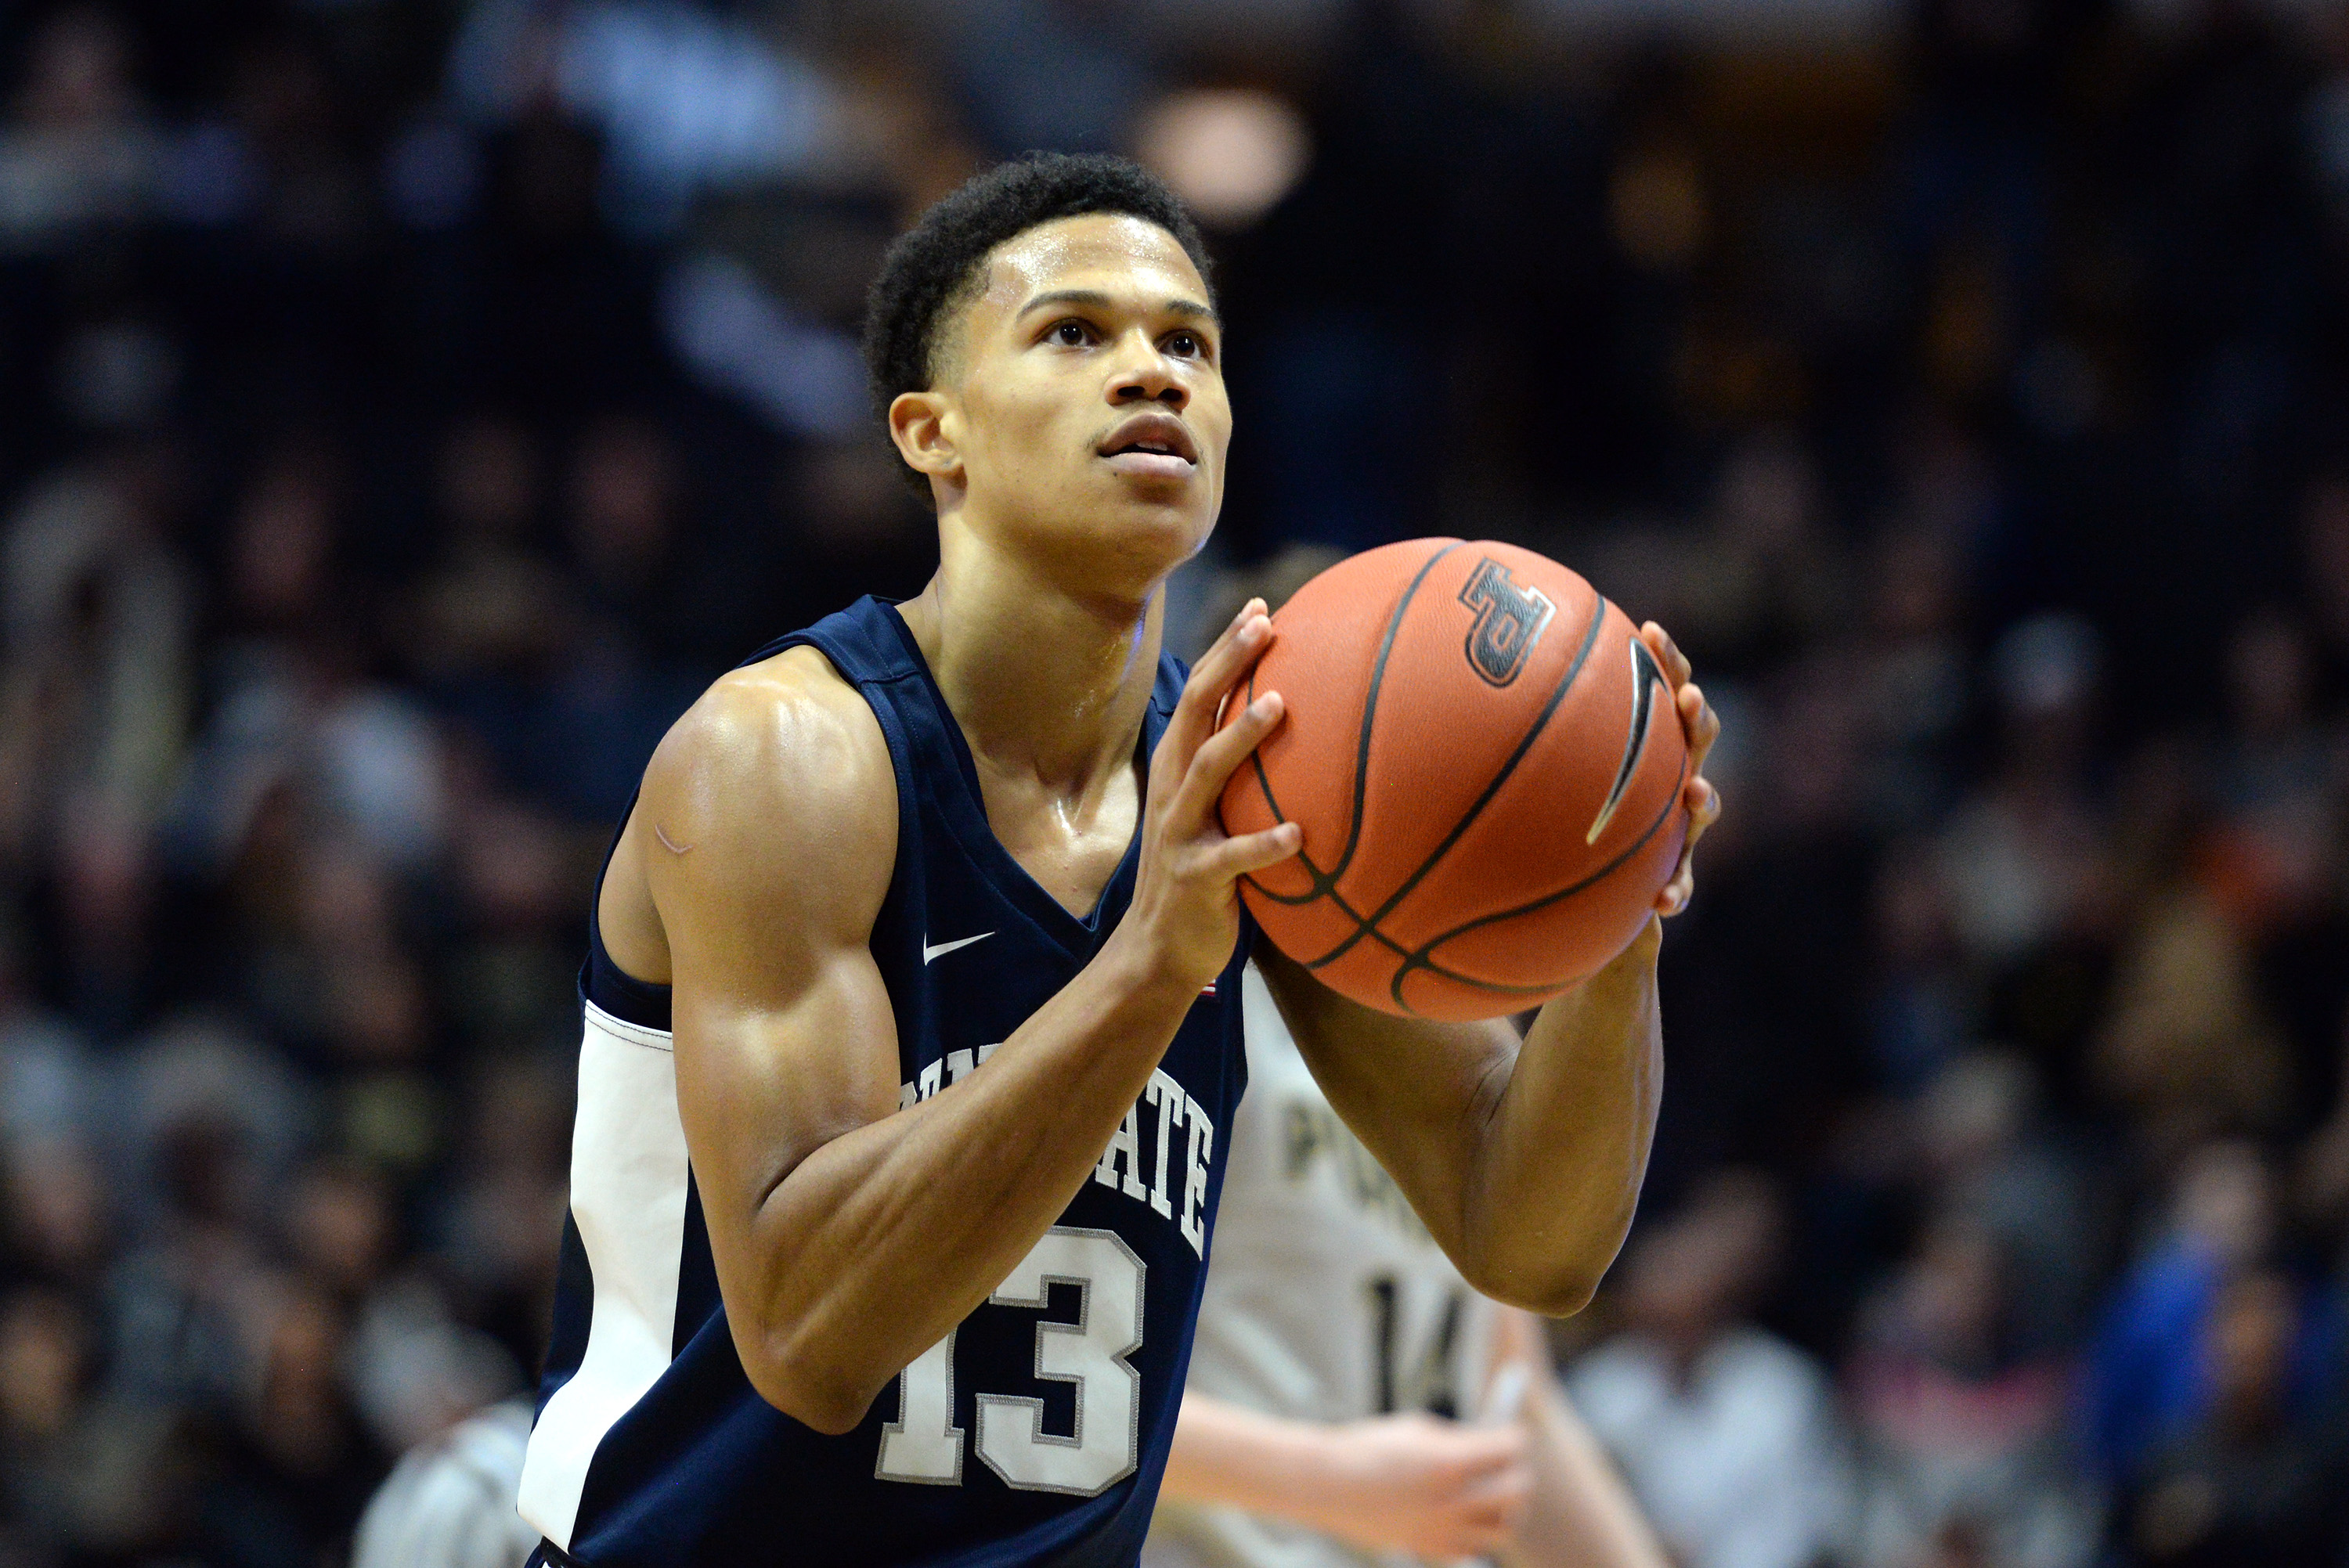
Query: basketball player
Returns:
{"type": "Point", "coordinates": [912, 1024]}
{"type": "Point", "coordinates": [1351, 1401]}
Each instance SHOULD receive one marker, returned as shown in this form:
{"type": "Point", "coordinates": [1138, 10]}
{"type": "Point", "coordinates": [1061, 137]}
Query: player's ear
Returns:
{"type": "Point", "coordinates": [920, 425]}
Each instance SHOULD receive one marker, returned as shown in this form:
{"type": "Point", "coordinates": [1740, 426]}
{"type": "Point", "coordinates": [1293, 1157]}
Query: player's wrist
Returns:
{"type": "Point", "coordinates": [1149, 972]}
{"type": "Point", "coordinates": [1630, 975]}
{"type": "Point", "coordinates": [1624, 980]}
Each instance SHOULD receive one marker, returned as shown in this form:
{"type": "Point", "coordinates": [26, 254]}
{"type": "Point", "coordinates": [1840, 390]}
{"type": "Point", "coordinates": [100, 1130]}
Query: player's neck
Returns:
{"type": "Point", "coordinates": [1043, 680]}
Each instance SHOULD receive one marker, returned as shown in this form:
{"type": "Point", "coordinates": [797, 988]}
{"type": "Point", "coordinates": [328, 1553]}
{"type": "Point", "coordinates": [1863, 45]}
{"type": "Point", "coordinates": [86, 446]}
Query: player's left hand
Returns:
{"type": "Point", "coordinates": [1701, 726]}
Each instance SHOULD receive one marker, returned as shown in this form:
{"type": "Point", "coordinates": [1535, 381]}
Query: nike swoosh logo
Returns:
{"type": "Point", "coordinates": [929, 951]}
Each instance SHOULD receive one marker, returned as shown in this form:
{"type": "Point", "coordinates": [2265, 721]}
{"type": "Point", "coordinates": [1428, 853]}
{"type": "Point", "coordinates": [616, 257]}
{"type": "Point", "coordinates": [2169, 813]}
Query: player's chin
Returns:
{"type": "Point", "coordinates": [1155, 540]}
{"type": "Point", "coordinates": [1183, 508]}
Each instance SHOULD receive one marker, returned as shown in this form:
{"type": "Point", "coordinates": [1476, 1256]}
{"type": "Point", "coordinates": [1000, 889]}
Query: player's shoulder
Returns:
{"type": "Point", "coordinates": [782, 749]}
{"type": "Point", "coordinates": [791, 714]}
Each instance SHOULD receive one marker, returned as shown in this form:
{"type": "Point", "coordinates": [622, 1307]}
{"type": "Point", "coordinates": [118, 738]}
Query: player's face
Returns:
{"type": "Point", "coordinates": [1087, 408]}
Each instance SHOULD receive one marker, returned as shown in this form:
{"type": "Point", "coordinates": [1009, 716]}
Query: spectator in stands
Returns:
{"type": "Point", "coordinates": [2147, 1386]}
{"type": "Point", "coordinates": [1728, 1436]}
{"type": "Point", "coordinates": [1964, 1423]}
{"type": "Point", "coordinates": [76, 153]}
{"type": "Point", "coordinates": [2256, 1477]}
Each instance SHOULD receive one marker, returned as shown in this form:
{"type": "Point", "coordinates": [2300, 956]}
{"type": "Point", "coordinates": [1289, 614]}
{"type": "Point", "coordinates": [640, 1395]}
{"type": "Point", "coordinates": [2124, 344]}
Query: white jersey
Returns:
{"type": "Point", "coordinates": [450, 1502]}
{"type": "Point", "coordinates": [1326, 1299]}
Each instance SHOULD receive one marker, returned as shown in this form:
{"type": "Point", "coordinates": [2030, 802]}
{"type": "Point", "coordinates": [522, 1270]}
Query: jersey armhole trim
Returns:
{"type": "Point", "coordinates": [633, 1034]}
{"type": "Point", "coordinates": [894, 738]}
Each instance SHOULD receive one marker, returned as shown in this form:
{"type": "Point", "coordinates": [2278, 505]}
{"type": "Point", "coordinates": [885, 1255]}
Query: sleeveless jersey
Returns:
{"type": "Point", "coordinates": [1328, 1302]}
{"type": "Point", "coordinates": [1036, 1432]}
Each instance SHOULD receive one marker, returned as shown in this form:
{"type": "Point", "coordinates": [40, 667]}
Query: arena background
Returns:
{"type": "Point", "coordinates": [405, 407]}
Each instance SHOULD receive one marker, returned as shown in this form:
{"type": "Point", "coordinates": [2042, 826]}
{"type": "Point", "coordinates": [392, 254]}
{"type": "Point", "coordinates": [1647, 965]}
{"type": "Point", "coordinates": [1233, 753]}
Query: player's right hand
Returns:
{"type": "Point", "coordinates": [1185, 910]}
{"type": "Point", "coordinates": [1429, 1487]}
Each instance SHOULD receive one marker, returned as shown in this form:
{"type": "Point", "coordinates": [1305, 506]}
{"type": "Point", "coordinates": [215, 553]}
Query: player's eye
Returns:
{"type": "Point", "coordinates": [1070, 334]}
{"type": "Point", "coordinates": [1185, 346]}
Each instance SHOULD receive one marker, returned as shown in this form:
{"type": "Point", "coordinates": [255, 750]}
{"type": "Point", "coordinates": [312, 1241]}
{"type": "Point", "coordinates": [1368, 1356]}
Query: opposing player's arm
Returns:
{"type": "Point", "coordinates": [849, 1235]}
{"type": "Point", "coordinates": [1525, 1158]}
{"type": "Point", "coordinates": [1579, 1513]}
{"type": "Point", "coordinates": [1407, 1482]}
{"type": "Point", "coordinates": [1528, 1485]}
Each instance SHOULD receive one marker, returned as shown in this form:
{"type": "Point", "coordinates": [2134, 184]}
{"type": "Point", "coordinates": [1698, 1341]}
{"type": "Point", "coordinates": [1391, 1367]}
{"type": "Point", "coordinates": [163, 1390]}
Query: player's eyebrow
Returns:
{"type": "Point", "coordinates": [1097, 300]}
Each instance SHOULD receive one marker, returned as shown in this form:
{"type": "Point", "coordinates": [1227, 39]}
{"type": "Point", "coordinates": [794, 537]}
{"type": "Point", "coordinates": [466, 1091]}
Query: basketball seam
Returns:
{"type": "Point", "coordinates": [1322, 883]}
{"type": "Point", "coordinates": [1370, 707]}
{"type": "Point", "coordinates": [1325, 883]}
{"type": "Point", "coordinates": [1549, 710]}
{"type": "Point", "coordinates": [1418, 960]}
{"type": "Point", "coordinates": [1263, 784]}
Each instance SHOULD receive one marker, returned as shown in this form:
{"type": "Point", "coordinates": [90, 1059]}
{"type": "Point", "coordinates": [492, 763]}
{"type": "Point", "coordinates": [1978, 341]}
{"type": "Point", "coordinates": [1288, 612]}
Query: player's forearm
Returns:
{"type": "Point", "coordinates": [1564, 1146]}
{"type": "Point", "coordinates": [1228, 1455]}
{"type": "Point", "coordinates": [887, 1236]}
{"type": "Point", "coordinates": [1580, 1514]}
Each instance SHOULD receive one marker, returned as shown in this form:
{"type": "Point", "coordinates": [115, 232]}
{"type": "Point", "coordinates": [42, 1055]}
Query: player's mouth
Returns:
{"type": "Point", "coordinates": [1156, 445]}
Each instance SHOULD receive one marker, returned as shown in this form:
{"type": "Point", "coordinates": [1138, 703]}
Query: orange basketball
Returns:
{"type": "Point", "coordinates": [1487, 765]}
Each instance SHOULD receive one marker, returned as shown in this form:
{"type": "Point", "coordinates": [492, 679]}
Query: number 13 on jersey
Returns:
{"type": "Point", "coordinates": [922, 1444]}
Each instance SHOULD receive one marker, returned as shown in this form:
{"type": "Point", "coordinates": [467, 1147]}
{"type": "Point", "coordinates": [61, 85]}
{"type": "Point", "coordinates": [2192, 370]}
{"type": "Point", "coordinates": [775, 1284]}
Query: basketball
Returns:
{"type": "Point", "coordinates": [1487, 764]}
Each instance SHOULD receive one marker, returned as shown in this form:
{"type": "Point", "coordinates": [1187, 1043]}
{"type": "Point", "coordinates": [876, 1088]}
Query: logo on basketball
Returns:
{"type": "Point", "coordinates": [1509, 620]}
{"type": "Point", "coordinates": [1647, 680]}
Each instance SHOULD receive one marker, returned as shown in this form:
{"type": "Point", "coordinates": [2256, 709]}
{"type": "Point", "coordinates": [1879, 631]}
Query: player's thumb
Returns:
{"type": "Point", "coordinates": [1481, 1453]}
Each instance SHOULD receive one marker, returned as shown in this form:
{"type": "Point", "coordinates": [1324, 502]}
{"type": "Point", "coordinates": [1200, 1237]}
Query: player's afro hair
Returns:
{"type": "Point", "coordinates": [935, 265]}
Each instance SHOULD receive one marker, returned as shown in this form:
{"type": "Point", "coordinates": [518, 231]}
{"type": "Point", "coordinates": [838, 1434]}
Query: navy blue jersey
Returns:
{"type": "Point", "coordinates": [1036, 1431]}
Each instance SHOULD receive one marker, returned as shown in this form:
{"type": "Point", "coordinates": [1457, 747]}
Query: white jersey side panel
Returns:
{"type": "Point", "coordinates": [1325, 1300]}
{"type": "Point", "coordinates": [628, 1175]}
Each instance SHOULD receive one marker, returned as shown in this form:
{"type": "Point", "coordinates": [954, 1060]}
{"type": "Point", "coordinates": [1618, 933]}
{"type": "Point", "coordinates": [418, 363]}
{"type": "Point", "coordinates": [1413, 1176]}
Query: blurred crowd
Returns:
{"type": "Point", "coordinates": [407, 406]}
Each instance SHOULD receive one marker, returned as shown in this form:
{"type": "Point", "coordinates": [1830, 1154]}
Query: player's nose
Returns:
{"type": "Point", "coordinates": [1145, 375]}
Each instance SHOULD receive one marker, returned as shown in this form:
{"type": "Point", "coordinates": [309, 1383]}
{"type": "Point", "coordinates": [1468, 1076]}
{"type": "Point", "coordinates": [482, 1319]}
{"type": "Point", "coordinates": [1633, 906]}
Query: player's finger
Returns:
{"type": "Point", "coordinates": [1501, 1482]}
{"type": "Point", "coordinates": [1480, 1452]}
{"type": "Point", "coordinates": [1503, 1511]}
{"type": "Point", "coordinates": [1699, 723]}
{"type": "Point", "coordinates": [1702, 803]}
{"type": "Point", "coordinates": [1236, 857]}
{"type": "Point", "coordinates": [1495, 1513]}
{"type": "Point", "coordinates": [1677, 893]}
{"type": "Point", "coordinates": [1246, 613]}
{"type": "Point", "coordinates": [1459, 1525]}
{"type": "Point", "coordinates": [1230, 654]}
{"type": "Point", "coordinates": [1668, 653]}
{"type": "Point", "coordinates": [1216, 759]}
{"type": "Point", "coordinates": [1473, 1536]}
{"type": "Point", "coordinates": [1219, 669]}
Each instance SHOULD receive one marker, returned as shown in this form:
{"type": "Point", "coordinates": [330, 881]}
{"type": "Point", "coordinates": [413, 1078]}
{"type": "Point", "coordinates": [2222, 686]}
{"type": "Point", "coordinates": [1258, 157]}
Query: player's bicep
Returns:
{"type": "Point", "coordinates": [762, 1083]}
{"type": "Point", "coordinates": [774, 819]}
